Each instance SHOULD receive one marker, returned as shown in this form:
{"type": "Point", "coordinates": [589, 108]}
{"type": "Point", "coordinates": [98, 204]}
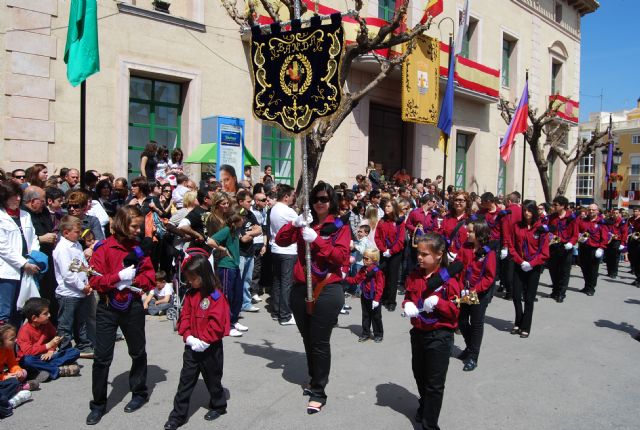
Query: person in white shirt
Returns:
{"type": "Point", "coordinates": [180, 190]}
{"type": "Point", "coordinates": [283, 258]}
{"type": "Point", "coordinates": [157, 301]}
{"type": "Point", "coordinates": [73, 291]}
{"type": "Point", "coordinates": [259, 210]}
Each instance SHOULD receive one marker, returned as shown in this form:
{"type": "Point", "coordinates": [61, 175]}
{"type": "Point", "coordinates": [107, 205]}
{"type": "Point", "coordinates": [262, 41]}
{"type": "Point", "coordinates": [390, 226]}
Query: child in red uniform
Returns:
{"type": "Point", "coordinates": [453, 225]}
{"type": "Point", "coordinates": [390, 235]}
{"type": "Point", "coordinates": [480, 264]}
{"type": "Point", "coordinates": [434, 318]}
{"type": "Point", "coordinates": [204, 321]}
{"type": "Point", "coordinates": [370, 279]}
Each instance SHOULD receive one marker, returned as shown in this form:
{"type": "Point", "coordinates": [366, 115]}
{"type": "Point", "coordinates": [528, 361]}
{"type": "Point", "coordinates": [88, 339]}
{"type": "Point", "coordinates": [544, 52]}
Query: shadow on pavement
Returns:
{"type": "Point", "coordinates": [623, 326]}
{"type": "Point", "coordinates": [399, 399]}
{"type": "Point", "coordinates": [633, 301]}
{"type": "Point", "coordinates": [355, 329]}
{"type": "Point", "coordinates": [120, 385]}
{"type": "Point", "coordinates": [200, 399]}
{"type": "Point", "coordinates": [292, 363]}
{"type": "Point", "coordinates": [498, 324]}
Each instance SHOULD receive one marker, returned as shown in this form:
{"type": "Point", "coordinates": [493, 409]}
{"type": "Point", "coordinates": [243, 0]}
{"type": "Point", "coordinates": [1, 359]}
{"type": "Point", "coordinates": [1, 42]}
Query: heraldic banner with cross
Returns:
{"type": "Point", "coordinates": [296, 73]}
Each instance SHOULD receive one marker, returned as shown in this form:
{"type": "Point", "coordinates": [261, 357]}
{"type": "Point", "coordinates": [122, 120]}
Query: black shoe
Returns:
{"type": "Point", "coordinates": [508, 296]}
{"type": "Point", "coordinates": [463, 355]}
{"type": "Point", "coordinates": [364, 338]}
{"type": "Point", "coordinates": [637, 337]}
{"type": "Point", "coordinates": [559, 299]}
{"type": "Point", "coordinates": [347, 307]}
{"type": "Point", "coordinates": [171, 425]}
{"type": "Point", "coordinates": [377, 339]}
{"type": "Point", "coordinates": [134, 404]}
{"type": "Point", "coordinates": [214, 414]}
{"type": "Point", "coordinates": [589, 293]}
{"type": "Point", "coordinates": [553, 296]}
{"type": "Point", "coordinates": [94, 417]}
{"type": "Point", "coordinates": [470, 365]}
{"type": "Point", "coordinates": [392, 307]}
{"type": "Point", "coordinates": [584, 290]}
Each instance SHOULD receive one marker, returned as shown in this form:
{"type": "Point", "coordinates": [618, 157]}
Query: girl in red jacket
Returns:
{"type": "Point", "coordinates": [529, 249]}
{"type": "Point", "coordinates": [390, 234]}
{"type": "Point", "coordinates": [453, 225]}
{"type": "Point", "coordinates": [204, 321]}
{"type": "Point", "coordinates": [371, 281]}
{"type": "Point", "coordinates": [328, 238]}
{"type": "Point", "coordinates": [479, 275]}
{"type": "Point", "coordinates": [126, 273]}
{"type": "Point", "coordinates": [434, 318]}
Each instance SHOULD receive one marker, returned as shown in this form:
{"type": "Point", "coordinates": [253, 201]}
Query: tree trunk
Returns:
{"type": "Point", "coordinates": [568, 172]}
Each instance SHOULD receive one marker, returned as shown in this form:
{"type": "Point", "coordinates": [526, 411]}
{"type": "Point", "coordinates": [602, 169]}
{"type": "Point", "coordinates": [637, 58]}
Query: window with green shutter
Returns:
{"type": "Point", "coordinates": [386, 8]}
{"type": "Point", "coordinates": [278, 151]}
{"type": "Point", "coordinates": [502, 177]}
{"type": "Point", "coordinates": [462, 146]}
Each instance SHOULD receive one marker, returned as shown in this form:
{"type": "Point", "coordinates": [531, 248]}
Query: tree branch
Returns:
{"type": "Point", "coordinates": [268, 6]}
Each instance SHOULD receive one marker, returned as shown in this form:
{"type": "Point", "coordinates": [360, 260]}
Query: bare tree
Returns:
{"type": "Point", "coordinates": [547, 139]}
{"type": "Point", "coordinates": [366, 43]}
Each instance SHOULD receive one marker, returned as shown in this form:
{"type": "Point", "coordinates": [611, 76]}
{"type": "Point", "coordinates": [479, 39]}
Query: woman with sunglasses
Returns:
{"type": "Point", "coordinates": [529, 249]}
{"type": "Point", "coordinates": [453, 225]}
{"type": "Point", "coordinates": [329, 238]}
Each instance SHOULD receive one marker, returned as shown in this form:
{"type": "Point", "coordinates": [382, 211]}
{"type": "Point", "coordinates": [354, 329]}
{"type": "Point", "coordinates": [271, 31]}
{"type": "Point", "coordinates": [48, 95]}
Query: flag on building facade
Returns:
{"type": "Point", "coordinates": [434, 8]}
{"type": "Point", "coordinates": [81, 53]}
{"type": "Point", "coordinates": [421, 82]}
{"type": "Point", "coordinates": [463, 27]}
{"type": "Point", "coordinates": [517, 125]}
{"type": "Point", "coordinates": [445, 120]}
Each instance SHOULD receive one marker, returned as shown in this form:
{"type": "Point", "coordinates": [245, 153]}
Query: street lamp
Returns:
{"type": "Point", "coordinates": [615, 161]}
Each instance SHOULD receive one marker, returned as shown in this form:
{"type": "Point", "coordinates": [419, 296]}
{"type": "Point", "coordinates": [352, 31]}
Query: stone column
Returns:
{"type": "Point", "coordinates": [29, 87]}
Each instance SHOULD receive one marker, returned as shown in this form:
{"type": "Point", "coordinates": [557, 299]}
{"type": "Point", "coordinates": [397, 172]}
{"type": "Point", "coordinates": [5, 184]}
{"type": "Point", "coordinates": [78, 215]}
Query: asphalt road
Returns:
{"type": "Point", "coordinates": [577, 370]}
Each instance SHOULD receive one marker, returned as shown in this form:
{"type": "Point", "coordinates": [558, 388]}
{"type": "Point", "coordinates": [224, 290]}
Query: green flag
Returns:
{"type": "Point", "coordinates": [81, 51]}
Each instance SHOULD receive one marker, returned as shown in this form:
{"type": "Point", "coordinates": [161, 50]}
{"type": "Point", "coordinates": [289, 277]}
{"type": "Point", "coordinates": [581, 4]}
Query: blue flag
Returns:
{"type": "Point", "coordinates": [445, 120]}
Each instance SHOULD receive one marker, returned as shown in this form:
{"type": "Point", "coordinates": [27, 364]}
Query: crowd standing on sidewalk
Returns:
{"type": "Point", "coordinates": [80, 266]}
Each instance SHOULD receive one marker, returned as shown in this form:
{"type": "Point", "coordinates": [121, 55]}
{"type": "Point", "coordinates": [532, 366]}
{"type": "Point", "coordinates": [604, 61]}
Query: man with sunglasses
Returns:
{"type": "Point", "coordinates": [18, 176]}
{"type": "Point", "coordinates": [259, 210]}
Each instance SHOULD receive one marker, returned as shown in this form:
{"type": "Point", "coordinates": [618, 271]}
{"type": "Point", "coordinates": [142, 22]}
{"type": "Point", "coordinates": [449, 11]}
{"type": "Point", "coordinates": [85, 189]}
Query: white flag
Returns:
{"type": "Point", "coordinates": [463, 27]}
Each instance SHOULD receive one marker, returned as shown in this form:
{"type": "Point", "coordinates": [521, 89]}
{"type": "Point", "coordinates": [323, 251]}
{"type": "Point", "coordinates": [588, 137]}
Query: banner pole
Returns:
{"type": "Point", "coordinates": [83, 125]}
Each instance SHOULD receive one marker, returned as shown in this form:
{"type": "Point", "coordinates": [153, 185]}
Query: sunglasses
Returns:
{"type": "Point", "coordinates": [19, 176]}
{"type": "Point", "coordinates": [262, 200]}
{"type": "Point", "coordinates": [166, 191]}
{"type": "Point", "coordinates": [320, 199]}
{"type": "Point", "coordinates": [74, 206]}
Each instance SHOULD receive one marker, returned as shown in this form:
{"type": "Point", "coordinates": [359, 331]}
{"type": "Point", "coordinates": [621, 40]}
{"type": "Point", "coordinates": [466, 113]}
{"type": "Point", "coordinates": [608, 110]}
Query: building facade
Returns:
{"type": "Point", "coordinates": [162, 74]}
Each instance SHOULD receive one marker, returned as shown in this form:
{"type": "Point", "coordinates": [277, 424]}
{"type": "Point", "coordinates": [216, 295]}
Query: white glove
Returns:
{"type": "Point", "coordinates": [121, 285]}
{"type": "Point", "coordinates": [621, 247]}
{"type": "Point", "coordinates": [374, 305]}
{"type": "Point", "coordinates": [309, 235]}
{"type": "Point", "coordinates": [190, 341]}
{"type": "Point", "coordinates": [411, 310]}
{"type": "Point", "coordinates": [464, 293]}
{"type": "Point", "coordinates": [503, 253]}
{"type": "Point", "coordinates": [525, 266]}
{"type": "Point", "coordinates": [301, 221]}
{"type": "Point", "coordinates": [199, 345]}
{"type": "Point", "coordinates": [386, 254]}
{"type": "Point", "coordinates": [599, 252]}
{"type": "Point", "coordinates": [568, 246]}
{"type": "Point", "coordinates": [128, 273]}
{"type": "Point", "coordinates": [430, 303]}
{"type": "Point", "coordinates": [452, 256]}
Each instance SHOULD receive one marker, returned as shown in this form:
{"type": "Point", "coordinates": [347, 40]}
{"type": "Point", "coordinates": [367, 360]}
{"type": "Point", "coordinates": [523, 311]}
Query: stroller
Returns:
{"type": "Point", "coordinates": [179, 286]}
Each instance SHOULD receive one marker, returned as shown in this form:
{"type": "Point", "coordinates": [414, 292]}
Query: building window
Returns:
{"type": "Point", "coordinates": [278, 151]}
{"type": "Point", "coordinates": [634, 185]}
{"type": "Point", "coordinates": [502, 177]}
{"type": "Point", "coordinates": [635, 165]}
{"type": "Point", "coordinates": [635, 139]}
{"type": "Point", "coordinates": [586, 176]}
{"type": "Point", "coordinates": [558, 12]}
{"type": "Point", "coordinates": [386, 9]}
{"type": "Point", "coordinates": [470, 40]}
{"type": "Point", "coordinates": [507, 48]}
{"type": "Point", "coordinates": [556, 77]}
{"type": "Point", "coordinates": [155, 111]}
{"type": "Point", "coordinates": [462, 146]}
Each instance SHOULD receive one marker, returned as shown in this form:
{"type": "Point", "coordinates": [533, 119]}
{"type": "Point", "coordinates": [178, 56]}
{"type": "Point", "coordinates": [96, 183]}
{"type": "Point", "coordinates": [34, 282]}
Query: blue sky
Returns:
{"type": "Point", "coordinates": [610, 58]}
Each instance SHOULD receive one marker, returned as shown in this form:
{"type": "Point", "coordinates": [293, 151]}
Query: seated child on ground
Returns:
{"type": "Point", "coordinates": [158, 300]}
{"type": "Point", "coordinates": [38, 343]}
{"type": "Point", "coordinates": [14, 388]}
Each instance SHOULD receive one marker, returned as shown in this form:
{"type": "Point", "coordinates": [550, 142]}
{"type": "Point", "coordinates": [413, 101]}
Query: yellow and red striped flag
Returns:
{"type": "Point", "coordinates": [434, 8]}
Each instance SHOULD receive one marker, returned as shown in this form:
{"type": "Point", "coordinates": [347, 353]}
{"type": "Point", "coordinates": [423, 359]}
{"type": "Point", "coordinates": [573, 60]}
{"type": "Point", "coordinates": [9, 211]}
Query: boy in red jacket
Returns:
{"type": "Point", "coordinates": [371, 281]}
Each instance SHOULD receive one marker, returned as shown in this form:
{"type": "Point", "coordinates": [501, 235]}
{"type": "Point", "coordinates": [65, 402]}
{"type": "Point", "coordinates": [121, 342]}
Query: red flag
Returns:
{"type": "Point", "coordinates": [434, 8]}
{"type": "Point", "coordinates": [518, 124]}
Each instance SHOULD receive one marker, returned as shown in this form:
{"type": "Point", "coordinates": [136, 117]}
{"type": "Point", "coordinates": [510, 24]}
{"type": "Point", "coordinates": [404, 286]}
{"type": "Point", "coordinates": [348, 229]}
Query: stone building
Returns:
{"type": "Point", "coordinates": [163, 73]}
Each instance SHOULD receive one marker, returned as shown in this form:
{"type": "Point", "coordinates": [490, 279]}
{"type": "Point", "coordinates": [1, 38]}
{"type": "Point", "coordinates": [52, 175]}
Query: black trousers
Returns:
{"type": "Point", "coordinates": [131, 322]}
{"type": "Point", "coordinates": [589, 265]}
{"type": "Point", "coordinates": [506, 274]}
{"type": "Point", "coordinates": [371, 317]}
{"type": "Point", "coordinates": [612, 257]}
{"type": "Point", "coordinates": [525, 286]}
{"type": "Point", "coordinates": [471, 323]}
{"type": "Point", "coordinates": [391, 268]}
{"type": "Point", "coordinates": [634, 257]}
{"type": "Point", "coordinates": [256, 286]}
{"type": "Point", "coordinates": [209, 363]}
{"type": "Point", "coordinates": [430, 351]}
{"type": "Point", "coordinates": [316, 333]}
{"type": "Point", "coordinates": [560, 269]}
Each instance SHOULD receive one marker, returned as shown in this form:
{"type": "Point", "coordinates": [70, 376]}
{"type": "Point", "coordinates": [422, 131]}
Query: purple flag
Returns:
{"type": "Point", "coordinates": [609, 155]}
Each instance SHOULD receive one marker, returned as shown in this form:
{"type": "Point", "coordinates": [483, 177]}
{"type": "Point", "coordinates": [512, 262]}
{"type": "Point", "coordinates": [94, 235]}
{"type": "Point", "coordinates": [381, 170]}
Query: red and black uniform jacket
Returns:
{"type": "Point", "coordinates": [508, 221]}
{"type": "Point", "coordinates": [493, 220]}
{"type": "Point", "coordinates": [206, 318]}
{"type": "Point", "coordinates": [107, 259]}
{"type": "Point", "coordinates": [329, 252]}
{"type": "Point", "coordinates": [445, 314]}
{"type": "Point", "coordinates": [429, 220]}
{"type": "Point", "coordinates": [449, 224]}
{"type": "Point", "coordinates": [390, 235]}
{"type": "Point", "coordinates": [480, 268]}
{"type": "Point", "coordinates": [371, 281]}
{"type": "Point", "coordinates": [620, 229]}
{"type": "Point", "coordinates": [566, 228]}
{"type": "Point", "coordinates": [633, 225]}
{"type": "Point", "coordinates": [529, 244]}
{"type": "Point", "coordinates": [598, 231]}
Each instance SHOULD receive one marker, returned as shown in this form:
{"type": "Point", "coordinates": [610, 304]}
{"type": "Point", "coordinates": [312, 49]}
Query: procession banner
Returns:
{"type": "Point", "coordinates": [421, 82]}
{"type": "Point", "coordinates": [296, 73]}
